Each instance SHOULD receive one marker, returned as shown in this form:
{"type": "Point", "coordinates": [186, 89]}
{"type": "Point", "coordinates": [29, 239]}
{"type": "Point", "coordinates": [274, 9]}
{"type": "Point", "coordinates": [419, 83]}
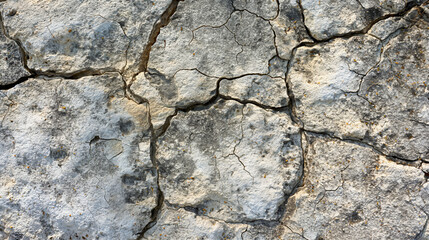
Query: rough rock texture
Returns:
{"type": "Point", "coordinates": [75, 160]}
{"type": "Point", "coordinates": [264, 90]}
{"type": "Point", "coordinates": [364, 88]}
{"type": "Point", "coordinates": [222, 119]}
{"type": "Point", "coordinates": [12, 68]}
{"type": "Point", "coordinates": [228, 155]}
{"type": "Point", "coordinates": [369, 195]}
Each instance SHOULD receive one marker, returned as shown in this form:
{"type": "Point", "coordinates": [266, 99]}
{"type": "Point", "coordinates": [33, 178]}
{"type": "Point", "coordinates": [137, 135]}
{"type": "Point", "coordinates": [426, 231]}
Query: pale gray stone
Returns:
{"type": "Point", "coordinates": [352, 192]}
{"type": "Point", "coordinates": [373, 92]}
{"type": "Point", "coordinates": [267, 9]}
{"type": "Point", "coordinates": [238, 162]}
{"type": "Point", "coordinates": [11, 66]}
{"type": "Point", "coordinates": [325, 79]}
{"type": "Point", "coordinates": [75, 160]}
{"type": "Point", "coordinates": [182, 224]}
{"type": "Point", "coordinates": [164, 94]}
{"type": "Point", "coordinates": [263, 89]}
{"type": "Point", "coordinates": [243, 44]}
{"type": "Point", "coordinates": [326, 18]}
{"type": "Point", "coordinates": [221, 119]}
{"type": "Point", "coordinates": [72, 36]}
{"type": "Point", "coordinates": [289, 28]}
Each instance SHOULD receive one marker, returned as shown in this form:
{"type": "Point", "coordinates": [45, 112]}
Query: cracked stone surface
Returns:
{"type": "Point", "coordinates": [325, 19]}
{"type": "Point", "coordinates": [238, 43]}
{"type": "Point", "coordinates": [368, 194]}
{"type": "Point", "coordinates": [11, 67]}
{"type": "Point", "coordinates": [71, 36]}
{"type": "Point", "coordinates": [371, 90]}
{"type": "Point", "coordinates": [264, 90]}
{"type": "Point", "coordinates": [75, 161]}
{"type": "Point", "coordinates": [228, 155]}
{"type": "Point", "coordinates": [222, 119]}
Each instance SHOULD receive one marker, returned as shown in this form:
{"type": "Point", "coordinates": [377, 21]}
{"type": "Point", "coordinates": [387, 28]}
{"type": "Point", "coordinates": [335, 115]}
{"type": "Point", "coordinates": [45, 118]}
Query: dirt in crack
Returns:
{"type": "Point", "coordinates": [162, 22]}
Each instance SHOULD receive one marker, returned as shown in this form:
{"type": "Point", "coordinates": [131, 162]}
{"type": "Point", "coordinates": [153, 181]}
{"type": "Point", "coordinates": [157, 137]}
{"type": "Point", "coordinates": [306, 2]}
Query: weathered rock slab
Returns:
{"type": "Point", "coordinates": [238, 162]}
{"type": "Point", "coordinates": [75, 160]}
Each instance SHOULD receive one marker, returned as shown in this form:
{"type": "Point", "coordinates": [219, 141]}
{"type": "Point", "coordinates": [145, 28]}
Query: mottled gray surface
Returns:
{"type": "Point", "coordinates": [11, 66]}
{"type": "Point", "coordinates": [227, 156]}
{"type": "Point", "coordinates": [75, 160]}
{"type": "Point", "coordinates": [222, 119]}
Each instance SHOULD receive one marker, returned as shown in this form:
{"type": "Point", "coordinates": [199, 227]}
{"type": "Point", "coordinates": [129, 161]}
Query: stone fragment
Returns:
{"type": "Point", "coordinates": [182, 224]}
{"type": "Point", "coordinates": [231, 162]}
{"type": "Point", "coordinates": [277, 67]}
{"type": "Point", "coordinates": [266, 9]}
{"type": "Point", "coordinates": [75, 160]}
{"type": "Point", "coordinates": [263, 89]}
{"type": "Point", "coordinates": [368, 91]}
{"type": "Point", "coordinates": [397, 89]}
{"type": "Point", "coordinates": [352, 192]}
{"type": "Point", "coordinates": [326, 19]}
{"type": "Point", "coordinates": [289, 28]}
{"type": "Point", "coordinates": [11, 67]}
{"type": "Point", "coordinates": [325, 79]}
{"type": "Point", "coordinates": [164, 94]}
{"type": "Point", "coordinates": [391, 26]}
{"type": "Point", "coordinates": [241, 45]}
{"type": "Point", "coordinates": [72, 36]}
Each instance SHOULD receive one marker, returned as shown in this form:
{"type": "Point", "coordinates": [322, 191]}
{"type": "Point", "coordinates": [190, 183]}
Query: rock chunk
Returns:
{"type": "Point", "coordinates": [230, 161]}
{"type": "Point", "coordinates": [263, 89]}
{"type": "Point", "coordinates": [350, 191]}
{"type": "Point", "coordinates": [182, 224]}
{"type": "Point", "coordinates": [326, 19]}
{"type": "Point", "coordinates": [71, 36]}
{"type": "Point", "coordinates": [370, 91]}
{"type": "Point", "coordinates": [164, 94]}
{"type": "Point", "coordinates": [242, 44]}
{"type": "Point", "coordinates": [289, 28]}
{"type": "Point", "coordinates": [11, 66]}
{"type": "Point", "coordinates": [75, 160]}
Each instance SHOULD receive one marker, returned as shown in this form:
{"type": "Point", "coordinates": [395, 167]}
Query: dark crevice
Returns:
{"type": "Point", "coordinates": [245, 101]}
{"type": "Point", "coordinates": [292, 99]}
{"type": "Point", "coordinates": [162, 22]}
{"type": "Point", "coordinates": [12, 85]}
{"type": "Point", "coordinates": [74, 75]}
{"type": "Point", "coordinates": [195, 209]}
{"type": "Point", "coordinates": [160, 195]}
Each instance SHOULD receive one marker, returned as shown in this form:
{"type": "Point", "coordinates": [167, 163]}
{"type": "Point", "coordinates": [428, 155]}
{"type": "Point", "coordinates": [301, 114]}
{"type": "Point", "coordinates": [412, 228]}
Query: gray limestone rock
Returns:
{"type": "Point", "coordinates": [350, 191]}
{"type": "Point", "coordinates": [73, 36]}
{"type": "Point", "coordinates": [267, 9]}
{"type": "Point", "coordinates": [327, 18]}
{"type": "Point", "coordinates": [182, 224]}
{"type": "Point", "coordinates": [263, 90]}
{"type": "Point", "coordinates": [11, 66]}
{"type": "Point", "coordinates": [214, 119]}
{"type": "Point", "coordinates": [243, 43]}
{"type": "Point", "coordinates": [75, 160]}
{"type": "Point", "coordinates": [371, 91]}
{"type": "Point", "coordinates": [227, 156]}
{"type": "Point", "coordinates": [164, 94]}
{"type": "Point", "coordinates": [289, 28]}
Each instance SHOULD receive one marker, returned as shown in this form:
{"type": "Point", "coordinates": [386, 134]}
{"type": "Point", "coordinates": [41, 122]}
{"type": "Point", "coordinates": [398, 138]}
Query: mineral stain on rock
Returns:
{"type": "Point", "coordinates": [214, 119]}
